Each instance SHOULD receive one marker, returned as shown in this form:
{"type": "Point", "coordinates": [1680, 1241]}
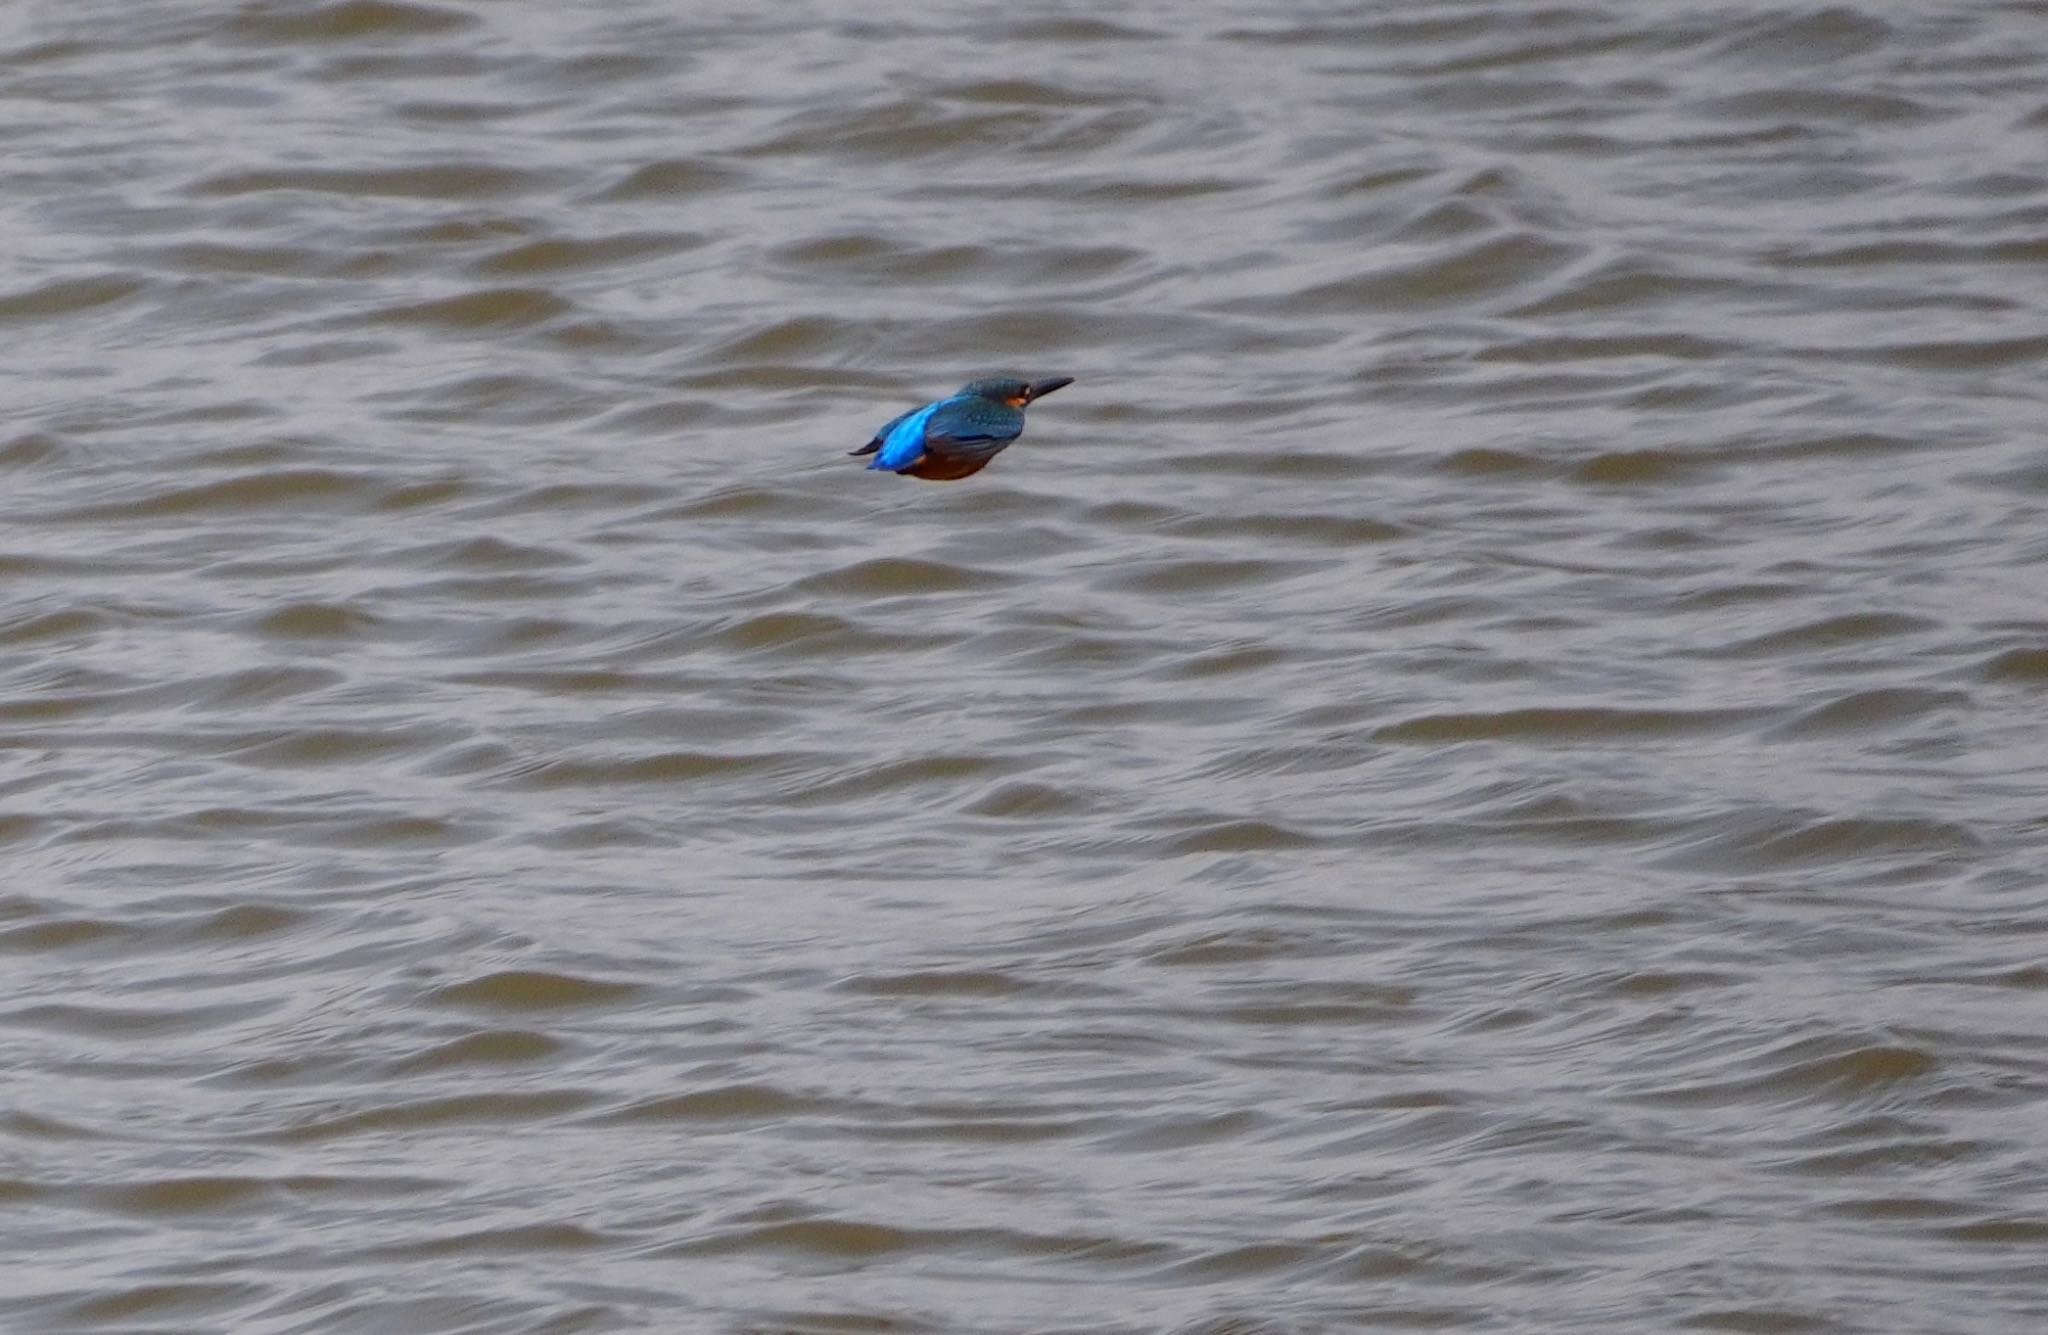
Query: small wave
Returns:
{"type": "Point", "coordinates": [490, 1049]}
{"type": "Point", "coordinates": [2025, 666]}
{"type": "Point", "coordinates": [1456, 276]}
{"type": "Point", "coordinates": [62, 297]}
{"type": "Point", "coordinates": [725, 1103]}
{"type": "Point", "coordinates": [1878, 710]}
{"type": "Point", "coordinates": [1564, 725]}
{"type": "Point", "coordinates": [1786, 840]}
{"type": "Point", "coordinates": [890, 576]}
{"type": "Point", "coordinates": [447, 180]}
{"type": "Point", "coordinates": [346, 21]}
{"type": "Point", "coordinates": [818, 635]}
{"type": "Point", "coordinates": [490, 309]}
{"type": "Point", "coordinates": [532, 989]}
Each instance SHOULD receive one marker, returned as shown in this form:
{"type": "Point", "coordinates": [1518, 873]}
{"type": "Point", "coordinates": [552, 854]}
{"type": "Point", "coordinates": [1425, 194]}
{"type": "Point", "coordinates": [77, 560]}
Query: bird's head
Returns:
{"type": "Point", "coordinates": [1013, 391]}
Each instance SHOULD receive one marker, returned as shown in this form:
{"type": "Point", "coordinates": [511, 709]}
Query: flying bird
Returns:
{"type": "Point", "coordinates": [957, 436]}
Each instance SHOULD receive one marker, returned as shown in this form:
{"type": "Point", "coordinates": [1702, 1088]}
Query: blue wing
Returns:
{"type": "Point", "coordinates": [971, 429]}
{"type": "Point", "coordinates": [902, 442]}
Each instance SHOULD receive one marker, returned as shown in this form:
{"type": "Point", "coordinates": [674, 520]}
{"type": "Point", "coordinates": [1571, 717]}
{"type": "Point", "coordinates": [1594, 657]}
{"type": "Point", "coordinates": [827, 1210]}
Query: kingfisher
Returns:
{"type": "Point", "coordinates": [957, 436]}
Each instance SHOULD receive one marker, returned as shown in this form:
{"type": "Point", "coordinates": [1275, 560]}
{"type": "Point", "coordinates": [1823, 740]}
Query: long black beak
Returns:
{"type": "Point", "coordinates": [1038, 389]}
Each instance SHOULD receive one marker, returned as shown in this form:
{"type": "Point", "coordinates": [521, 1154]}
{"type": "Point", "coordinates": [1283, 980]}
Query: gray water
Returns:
{"type": "Point", "coordinates": [1482, 769]}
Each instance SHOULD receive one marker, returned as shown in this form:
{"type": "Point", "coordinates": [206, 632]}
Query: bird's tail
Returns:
{"type": "Point", "coordinates": [868, 448]}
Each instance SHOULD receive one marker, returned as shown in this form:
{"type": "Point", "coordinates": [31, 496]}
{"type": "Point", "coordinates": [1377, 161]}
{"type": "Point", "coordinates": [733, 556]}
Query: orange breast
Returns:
{"type": "Point", "coordinates": [934, 469]}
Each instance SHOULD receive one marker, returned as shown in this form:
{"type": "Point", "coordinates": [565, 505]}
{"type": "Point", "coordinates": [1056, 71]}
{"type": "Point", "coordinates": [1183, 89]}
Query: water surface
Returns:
{"type": "Point", "coordinates": [1482, 769]}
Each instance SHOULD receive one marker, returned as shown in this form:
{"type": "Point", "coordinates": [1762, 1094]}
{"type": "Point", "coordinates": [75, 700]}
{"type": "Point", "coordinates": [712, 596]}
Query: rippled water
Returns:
{"type": "Point", "coordinates": [1482, 769]}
